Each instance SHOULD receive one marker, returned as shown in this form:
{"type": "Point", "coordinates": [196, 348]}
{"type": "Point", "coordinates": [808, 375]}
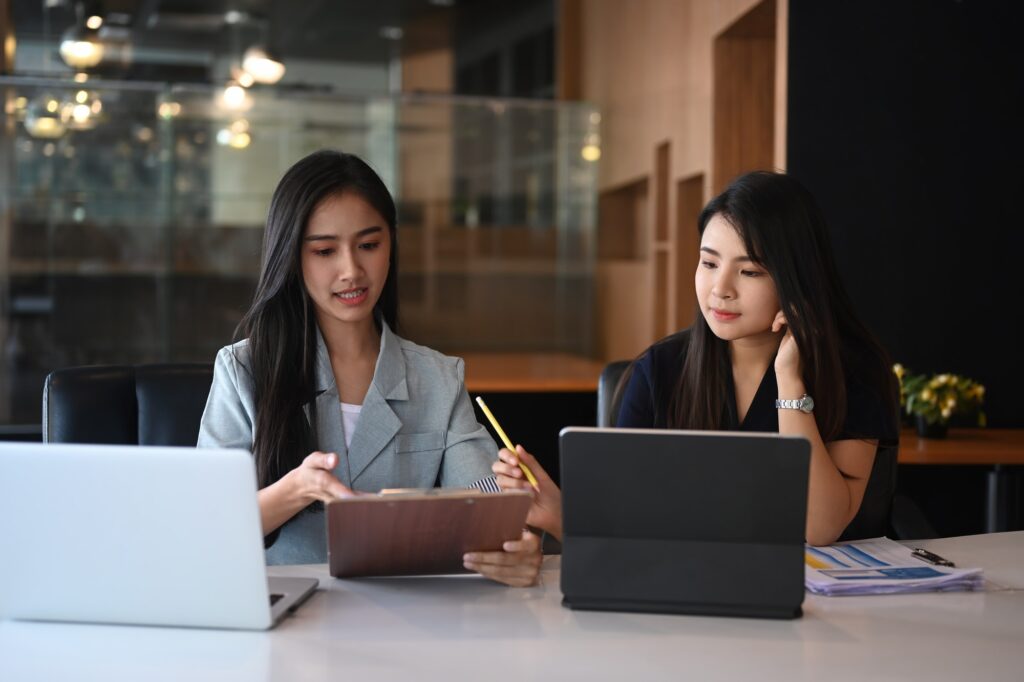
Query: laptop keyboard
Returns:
{"type": "Point", "coordinates": [274, 598]}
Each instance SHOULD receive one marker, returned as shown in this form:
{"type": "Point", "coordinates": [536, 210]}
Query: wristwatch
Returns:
{"type": "Point", "coordinates": [805, 404]}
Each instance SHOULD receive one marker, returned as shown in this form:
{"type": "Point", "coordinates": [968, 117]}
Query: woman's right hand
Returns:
{"type": "Point", "coordinates": [305, 484]}
{"type": "Point", "coordinates": [546, 510]}
{"type": "Point", "coordinates": [314, 479]}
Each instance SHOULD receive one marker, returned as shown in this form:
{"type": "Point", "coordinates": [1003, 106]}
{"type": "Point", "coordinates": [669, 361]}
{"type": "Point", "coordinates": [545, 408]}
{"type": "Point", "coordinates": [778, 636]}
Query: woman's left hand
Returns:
{"type": "Point", "coordinates": [518, 565]}
{"type": "Point", "coordinates": [787, 361]}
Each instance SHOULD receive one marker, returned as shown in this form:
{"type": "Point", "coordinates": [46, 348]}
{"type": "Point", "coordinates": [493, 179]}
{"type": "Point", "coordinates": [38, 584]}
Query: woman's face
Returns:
{"type": "Point", "coordinates": [346, 248]}
{"type": "Point", "coordinates": [736, 296]}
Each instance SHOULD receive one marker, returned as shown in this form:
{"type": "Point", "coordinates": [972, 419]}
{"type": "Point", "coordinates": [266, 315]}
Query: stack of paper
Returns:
{"type": "Point", "coordinates": [880, 566]}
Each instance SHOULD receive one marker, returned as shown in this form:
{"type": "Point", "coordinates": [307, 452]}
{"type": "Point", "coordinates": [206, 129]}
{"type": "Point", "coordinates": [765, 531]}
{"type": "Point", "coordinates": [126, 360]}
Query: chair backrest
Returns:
{"type": "Point", "coordinates": [607, 383]}
{"type": "Point", "coordinates": [159, 404]}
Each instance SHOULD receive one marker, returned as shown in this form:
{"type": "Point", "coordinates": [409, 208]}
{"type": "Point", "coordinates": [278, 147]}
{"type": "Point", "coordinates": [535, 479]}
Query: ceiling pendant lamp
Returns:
{"type": "Point", "coordinates": [262, 65]}
{"type": "Point", "coordinates": [80, 46]}
{"type": "Point", "coordinates": [42, 118]}
{"type": "Point", "coordinates": [82, 112]}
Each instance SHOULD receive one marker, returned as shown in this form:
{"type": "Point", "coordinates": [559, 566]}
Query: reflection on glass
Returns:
{"type": "Point", "coordinates": [133, 234]}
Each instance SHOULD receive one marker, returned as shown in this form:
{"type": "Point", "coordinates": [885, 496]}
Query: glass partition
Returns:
{"type": "Point", "coordinates": [131, 219]}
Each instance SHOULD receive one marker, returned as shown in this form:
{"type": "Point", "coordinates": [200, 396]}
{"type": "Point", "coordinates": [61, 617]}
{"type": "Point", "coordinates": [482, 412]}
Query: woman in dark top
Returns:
{"type": "Point", "coordinates": [775, 327]}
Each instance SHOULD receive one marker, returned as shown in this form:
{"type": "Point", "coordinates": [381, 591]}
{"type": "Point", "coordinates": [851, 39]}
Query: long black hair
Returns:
{"type": "Point", "coordinates": [281, 322]}
{"type": "Point", "coordinates": [784, 232]}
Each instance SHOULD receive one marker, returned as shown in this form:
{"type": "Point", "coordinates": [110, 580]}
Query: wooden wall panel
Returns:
{"type": "Point", "coordinates": [661, 191]}
{"type": "Point", "coordinates": [660, 293]}
{"type": "Point", "coordinates": [622, 222]}
{"type": "Point", "coordinates": [569, 66]}
{"type": "Point", "coordinates": [744, 98]}
{"type": "Point", "coordinates": [648, 65]}
{"type": "Point", "coordinates": [689, 203]}
{"type": "Point", "coordinates": [625, 325]}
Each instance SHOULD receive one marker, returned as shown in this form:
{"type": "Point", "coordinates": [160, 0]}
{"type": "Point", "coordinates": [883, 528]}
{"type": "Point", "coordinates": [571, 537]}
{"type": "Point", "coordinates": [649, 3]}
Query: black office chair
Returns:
{"type": "Point", "coordinates": [608, 396]}
{"type": "Point", "coordinates": [159, 404]}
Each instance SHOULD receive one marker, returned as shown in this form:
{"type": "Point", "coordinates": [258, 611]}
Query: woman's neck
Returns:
{"type": "Point", "coordinates": [752, 355]}
{"type": "Point", "coordinates": [350, 341]}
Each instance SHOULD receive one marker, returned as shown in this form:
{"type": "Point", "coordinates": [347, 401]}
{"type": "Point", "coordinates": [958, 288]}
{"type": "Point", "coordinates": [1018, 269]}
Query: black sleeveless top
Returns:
{"type": "Point", "coordinates": [655, 375]}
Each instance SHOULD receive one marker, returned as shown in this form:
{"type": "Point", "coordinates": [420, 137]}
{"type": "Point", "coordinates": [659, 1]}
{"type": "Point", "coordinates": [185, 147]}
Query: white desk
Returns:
{"type": "Point", "coordinates": [454, 628]}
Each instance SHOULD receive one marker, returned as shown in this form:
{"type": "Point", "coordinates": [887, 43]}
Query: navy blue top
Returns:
{"type": "Point", "coordinates": [655, 375]}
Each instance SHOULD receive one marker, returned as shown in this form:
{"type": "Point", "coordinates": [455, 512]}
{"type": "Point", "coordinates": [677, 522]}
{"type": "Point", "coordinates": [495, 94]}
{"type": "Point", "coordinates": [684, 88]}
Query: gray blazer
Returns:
{"type": "Point", "coordinates": [416, 430]}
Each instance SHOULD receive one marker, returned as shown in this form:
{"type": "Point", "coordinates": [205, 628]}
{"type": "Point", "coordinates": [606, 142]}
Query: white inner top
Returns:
{"type": "Point", "coordinates": [349, 418]}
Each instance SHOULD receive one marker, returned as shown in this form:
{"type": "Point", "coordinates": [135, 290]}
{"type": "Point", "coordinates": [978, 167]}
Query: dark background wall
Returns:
{"type": "Point", "coordinates": [905, 120]}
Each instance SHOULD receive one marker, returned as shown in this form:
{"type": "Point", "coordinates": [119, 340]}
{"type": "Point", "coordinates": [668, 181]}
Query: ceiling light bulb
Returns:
{"type": "Point", "coordinates": [168, 110]}
{"type": "Point", "coordinates": [590, 152]}
{"type": "Point", "coordinates": [43, 121]}
{"type": "Point", "coordinates": [77, 116]}
{"type": "Point", "coordinates": [45, 127]}
{"type": "Point", "coordinates": [262, 65]}
{"type": "Point", "coordinates": [81, 113]}
{"type": "Point", "coordinates": [235, 96]}
{"type": "Point", "coordinates": [94, 22]}
{"type": "Point", "coordinates": [240, 141]}
{"type": "Point", "coordinates": [80, 48]}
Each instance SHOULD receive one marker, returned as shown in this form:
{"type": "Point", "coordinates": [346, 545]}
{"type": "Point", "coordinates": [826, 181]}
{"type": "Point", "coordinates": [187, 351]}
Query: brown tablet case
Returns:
{"type": "Point", "coordinates": [419, 533]}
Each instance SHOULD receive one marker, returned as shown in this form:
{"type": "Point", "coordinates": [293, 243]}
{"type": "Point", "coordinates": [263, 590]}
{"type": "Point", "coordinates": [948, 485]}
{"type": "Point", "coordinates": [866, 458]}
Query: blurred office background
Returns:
{"type": "Point", "coordinates": [549, 158]}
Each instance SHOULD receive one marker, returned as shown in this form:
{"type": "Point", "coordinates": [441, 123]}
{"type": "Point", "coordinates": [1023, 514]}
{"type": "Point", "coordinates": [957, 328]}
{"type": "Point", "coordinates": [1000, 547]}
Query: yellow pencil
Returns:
{"type": "Point", "coordinates": [508, 444]}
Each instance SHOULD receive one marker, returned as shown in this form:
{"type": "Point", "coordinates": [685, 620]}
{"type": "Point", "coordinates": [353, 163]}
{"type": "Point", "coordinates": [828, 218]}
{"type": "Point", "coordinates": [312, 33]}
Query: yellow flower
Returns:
{"type": "Point", "coordinates": [899, 370]}
{"type": "Point", "coordinates": [927, 395]}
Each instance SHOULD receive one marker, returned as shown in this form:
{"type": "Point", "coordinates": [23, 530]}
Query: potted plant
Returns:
{"type": "Point", "coordinates": [932, 400]}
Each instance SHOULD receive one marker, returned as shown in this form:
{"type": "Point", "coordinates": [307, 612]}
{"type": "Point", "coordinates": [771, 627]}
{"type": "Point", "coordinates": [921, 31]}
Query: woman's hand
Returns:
{"type": "Point", "coordinates": [517, 565]}
{"type": "Point", "coordinates": [310, 481]}
{"type": "Point", "coordinates": [314, 479]}
{"type": "Point", "coordinates": [787, 361]}
{"type": "Point", "coordinates": [546, 510]}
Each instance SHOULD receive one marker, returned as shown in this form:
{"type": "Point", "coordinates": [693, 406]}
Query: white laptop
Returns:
{"type": "Point", "coordinates": [136, 535]}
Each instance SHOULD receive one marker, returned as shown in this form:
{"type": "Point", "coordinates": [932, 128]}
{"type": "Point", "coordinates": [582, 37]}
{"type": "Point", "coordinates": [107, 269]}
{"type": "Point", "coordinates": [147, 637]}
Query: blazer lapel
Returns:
{"type": "Point", "coordinates": [330, 431]}
{"type": "Point", "coordinates": [378, 423]}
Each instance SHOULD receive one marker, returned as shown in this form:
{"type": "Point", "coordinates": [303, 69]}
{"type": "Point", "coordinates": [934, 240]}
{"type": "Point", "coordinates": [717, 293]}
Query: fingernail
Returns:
{"type": "Point", "coordinates": [468, 558]}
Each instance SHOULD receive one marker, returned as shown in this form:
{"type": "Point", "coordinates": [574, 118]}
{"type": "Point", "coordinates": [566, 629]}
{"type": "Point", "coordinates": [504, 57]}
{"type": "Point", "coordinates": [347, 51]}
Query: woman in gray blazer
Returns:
{"type": "Point", "coordinates": [323, 392]}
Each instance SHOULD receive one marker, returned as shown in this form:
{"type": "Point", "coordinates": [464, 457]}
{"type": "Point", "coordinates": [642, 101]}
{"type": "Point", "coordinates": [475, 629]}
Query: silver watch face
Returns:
{"type": "Point", "coordinates": [806, 404]}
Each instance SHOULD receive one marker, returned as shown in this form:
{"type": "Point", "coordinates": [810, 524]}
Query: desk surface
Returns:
{"type": "Point", "coordinates": [451, 628]}
{"type": "Point", "coordinates": [964, 446]}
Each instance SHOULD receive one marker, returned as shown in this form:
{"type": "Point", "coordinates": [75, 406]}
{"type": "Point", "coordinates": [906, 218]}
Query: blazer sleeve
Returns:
{"type": "Point", "coordinates": [469, 449]}
{"type": "Point", "coordinates": [229, 415]}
